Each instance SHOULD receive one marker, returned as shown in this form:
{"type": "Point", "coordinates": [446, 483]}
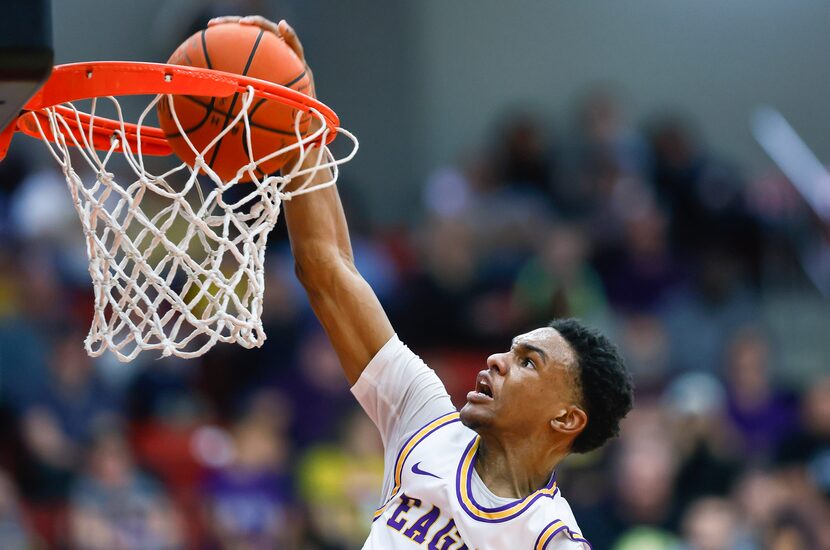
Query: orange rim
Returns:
{"type": "Point", "coordinates": [76, 81]}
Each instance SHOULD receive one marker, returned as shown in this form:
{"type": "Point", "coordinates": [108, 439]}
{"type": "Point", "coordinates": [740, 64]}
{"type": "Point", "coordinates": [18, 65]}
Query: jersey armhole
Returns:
{"type": "Point", "coordinates": [557, 527]}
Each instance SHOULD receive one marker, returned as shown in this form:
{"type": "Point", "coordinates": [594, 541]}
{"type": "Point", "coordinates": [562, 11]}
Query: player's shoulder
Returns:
{"type": "Point", "coordinates": [559, 535]}
{"type": "Point", "coordinates": [396, 365]}
{"type": "Point", "coordinates": [446, 429]}
{"type": "Point", "coordinates": [557, 527]}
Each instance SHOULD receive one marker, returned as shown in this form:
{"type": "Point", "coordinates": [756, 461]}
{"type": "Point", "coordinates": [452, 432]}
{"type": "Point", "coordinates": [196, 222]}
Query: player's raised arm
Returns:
{"type": "Point", "coordinates": [342, 300]}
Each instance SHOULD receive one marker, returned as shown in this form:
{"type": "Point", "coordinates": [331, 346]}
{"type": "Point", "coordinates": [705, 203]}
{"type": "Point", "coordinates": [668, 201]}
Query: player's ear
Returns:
{"type": "Point", "coordinates": [570, 421]}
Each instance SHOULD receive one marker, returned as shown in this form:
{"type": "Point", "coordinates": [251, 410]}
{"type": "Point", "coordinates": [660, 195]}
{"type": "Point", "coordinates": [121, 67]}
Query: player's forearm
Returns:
{"type": "Point", "coordinates": [342, 300]}
{"type": "Point", "coordinates": [317, 225]}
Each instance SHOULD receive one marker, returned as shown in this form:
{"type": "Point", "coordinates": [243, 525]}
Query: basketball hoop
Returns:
{"type": "Point", "coordinates": [176, 266]}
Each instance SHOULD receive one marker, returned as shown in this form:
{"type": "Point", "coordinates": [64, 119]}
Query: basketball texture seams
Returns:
{"type": "Point", "coordinates": [230, 113]}
{"type": "Point", "coordinates": [240, 49]}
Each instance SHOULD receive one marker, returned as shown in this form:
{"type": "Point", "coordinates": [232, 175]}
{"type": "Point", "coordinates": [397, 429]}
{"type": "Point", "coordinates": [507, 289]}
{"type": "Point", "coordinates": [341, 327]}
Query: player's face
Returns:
{"type": "Point", "coordinates": [524, 388]}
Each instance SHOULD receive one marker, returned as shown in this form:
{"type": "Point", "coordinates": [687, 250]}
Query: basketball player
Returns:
{"type": "Point", "coordinates": [483, 477]}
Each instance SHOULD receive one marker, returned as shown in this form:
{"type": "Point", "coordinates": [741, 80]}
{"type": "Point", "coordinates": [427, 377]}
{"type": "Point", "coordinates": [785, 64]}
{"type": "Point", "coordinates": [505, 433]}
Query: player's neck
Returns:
{"type": "Point", "coordinates": [515, 469]}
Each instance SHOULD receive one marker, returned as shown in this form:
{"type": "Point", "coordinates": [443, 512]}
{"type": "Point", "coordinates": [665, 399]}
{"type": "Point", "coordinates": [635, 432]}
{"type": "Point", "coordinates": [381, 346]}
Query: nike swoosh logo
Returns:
{"type": "Point", "coordinates": [417, 470]}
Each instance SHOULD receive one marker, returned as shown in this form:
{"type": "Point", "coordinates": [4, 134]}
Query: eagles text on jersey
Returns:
{"type": "Point", "coordinates": [432, 506]}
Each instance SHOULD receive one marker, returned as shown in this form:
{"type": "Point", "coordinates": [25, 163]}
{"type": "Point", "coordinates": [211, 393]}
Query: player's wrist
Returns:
{"type": "Point", "coordinates": [300, 160]}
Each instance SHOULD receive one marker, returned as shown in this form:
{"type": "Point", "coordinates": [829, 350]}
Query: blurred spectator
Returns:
{"type": "Point", "coordinates": [76, 396]}
{"type": "Point", "coordinates": [439, 293]}
{"type": "Point", "coordinates": [510, 201]}
{"type": "Point", "coordinates": [587, 482]}
{"type": "Point", "coordinates": [13, 170]}
{"type": "Point", "coordinates": [645, 344]}
{"type": "Point", "coordinates": [702, 317]}
{"type": "Point", "coordinates": [559, 281]}
{"type": "Point", "coordinates": [644, 475]}
{"type": "Point", "coordinates": [704, 195]}
{"type": "Point", "coordinates": [166, 412]}
{"type": "Point", "coordinates": [713, 524]}
{"type": "Point", "coordinates": [762, 413]}
{"type": "Point", "coordinates": [608, 150]}
{"type": "Point", "coordinates": [34, 309]}
{"type": "Point", "coordinates": [809, 445]}
{"type": "Point", "coordinates": [704, 444]}
{"type": "Point", "coordinates": [61, 420]}
{"type": "Point", "coordinates": [506, 225]}
{"type": "Point", "coordinates": [14, 533]}
{"type": "Point", "coordinates": [163, 390]}
{"type": "Point", "coordinates": [776, 203]}
{"type": "Point", "coordinates": [41, 210]}
{"type": "Point", "coordinates": [522, 154]}
{"type": "Point", "coordinates": [340, 483]}
{"type": "Point", "coordinates": [249, 503]}
{"type": "Point", "coordinates": [617, 200]}
{"type": "Point", "coordinates": [760, 496]}
{"type": "Point", "coordinates": [608, 138]}
{"type": "Point", "coordinates": [453, 191]}
{"type": "Point", "coordinates": [789, 532]}
{"type": "Point", "coordinates": [641, 272]}
{"type": "Point", "coordinates": [646, 538]}
{"type": "Point", "coordinates": [282, 318]}
{"type": "Point", "coordinates": [113, 506]}
{"type": "Point", "coordinates": [376, 266]}
{"type": "Point", "coordinates": [317, 391]}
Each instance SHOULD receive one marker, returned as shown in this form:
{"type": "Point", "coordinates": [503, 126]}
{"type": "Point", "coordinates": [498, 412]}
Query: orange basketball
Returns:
{"type": "Point", "coordinates": [246, 50]}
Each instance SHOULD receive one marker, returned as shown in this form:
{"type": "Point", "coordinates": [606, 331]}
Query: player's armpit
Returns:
{"type": "Point", "coordinates": [348, 309]}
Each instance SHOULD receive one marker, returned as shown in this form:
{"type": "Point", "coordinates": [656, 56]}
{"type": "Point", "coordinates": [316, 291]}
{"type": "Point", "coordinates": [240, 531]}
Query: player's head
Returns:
{"type": "Point", "coordinates": [607, 394]}
{"type": "Point", "coordinates": [564, 383]}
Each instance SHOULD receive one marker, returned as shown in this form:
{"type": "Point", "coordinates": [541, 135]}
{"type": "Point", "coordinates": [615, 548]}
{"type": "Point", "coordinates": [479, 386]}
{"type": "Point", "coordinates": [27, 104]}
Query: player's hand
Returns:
{"type": "Point", "coordinates": [284, 31]}
{"type": "Point", "coordinates": [281, 29]}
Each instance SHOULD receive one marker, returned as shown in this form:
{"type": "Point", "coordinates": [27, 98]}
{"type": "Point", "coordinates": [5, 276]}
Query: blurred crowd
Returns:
{"type": "Point", "coordinates": [634, 226]}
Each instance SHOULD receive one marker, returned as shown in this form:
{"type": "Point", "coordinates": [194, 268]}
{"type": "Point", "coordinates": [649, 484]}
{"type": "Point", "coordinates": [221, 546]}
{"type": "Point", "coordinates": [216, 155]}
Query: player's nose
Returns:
{"type": "Point", "coordinates": [497, 363]}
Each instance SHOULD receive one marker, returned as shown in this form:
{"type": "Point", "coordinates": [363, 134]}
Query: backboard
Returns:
{"type": "Point", "coordinates": [26, 54]}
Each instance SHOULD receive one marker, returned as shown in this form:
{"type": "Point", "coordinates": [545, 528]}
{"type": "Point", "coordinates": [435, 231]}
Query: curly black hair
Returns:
{"type": "Point", "coordinates": [605, 384]}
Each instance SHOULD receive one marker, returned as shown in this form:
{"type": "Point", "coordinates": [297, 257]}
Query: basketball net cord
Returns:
{"type": "Point", "coordinates": [189, 271]}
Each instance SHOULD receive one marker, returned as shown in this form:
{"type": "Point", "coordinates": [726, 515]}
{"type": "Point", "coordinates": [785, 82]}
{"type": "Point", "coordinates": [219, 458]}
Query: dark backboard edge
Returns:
{"type": "Point", "coordinates": [26, 53]}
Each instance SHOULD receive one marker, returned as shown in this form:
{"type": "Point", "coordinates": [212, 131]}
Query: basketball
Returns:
{"type": "Point", "coordinates": [247, 50]}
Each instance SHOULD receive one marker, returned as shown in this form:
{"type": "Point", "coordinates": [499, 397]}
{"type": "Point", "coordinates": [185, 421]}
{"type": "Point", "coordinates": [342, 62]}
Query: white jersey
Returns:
{"type": "Point", "coordinates": [432, 496]}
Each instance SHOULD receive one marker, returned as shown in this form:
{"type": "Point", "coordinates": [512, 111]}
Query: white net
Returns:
{"type": "Point", "coordinates": [177, 259]}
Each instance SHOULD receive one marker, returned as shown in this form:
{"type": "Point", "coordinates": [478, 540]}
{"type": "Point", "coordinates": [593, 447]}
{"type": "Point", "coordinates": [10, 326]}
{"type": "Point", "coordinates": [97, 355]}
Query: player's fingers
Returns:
{"type": "Point", "coordinates": [290, 37]}
{"type": "Point", "coordinates": [254, 20]}
{"type": "Point", "coordinates": [224, 19]}
{"type": "Point", "coordinates": [261, 22]}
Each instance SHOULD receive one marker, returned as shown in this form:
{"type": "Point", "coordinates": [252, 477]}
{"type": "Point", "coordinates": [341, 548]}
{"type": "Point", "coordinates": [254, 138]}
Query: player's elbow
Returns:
{"type": "Point", "coordinates": [316, 268]}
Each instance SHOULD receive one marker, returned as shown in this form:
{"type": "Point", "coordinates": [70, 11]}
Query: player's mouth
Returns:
{"type": "Point", "coordinates": [484, 389]}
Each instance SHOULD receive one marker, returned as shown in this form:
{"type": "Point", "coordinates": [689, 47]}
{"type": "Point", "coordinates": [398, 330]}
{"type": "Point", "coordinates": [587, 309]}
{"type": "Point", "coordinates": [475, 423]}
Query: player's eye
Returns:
{"type": "Point", "coordinates": [526, 362]}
